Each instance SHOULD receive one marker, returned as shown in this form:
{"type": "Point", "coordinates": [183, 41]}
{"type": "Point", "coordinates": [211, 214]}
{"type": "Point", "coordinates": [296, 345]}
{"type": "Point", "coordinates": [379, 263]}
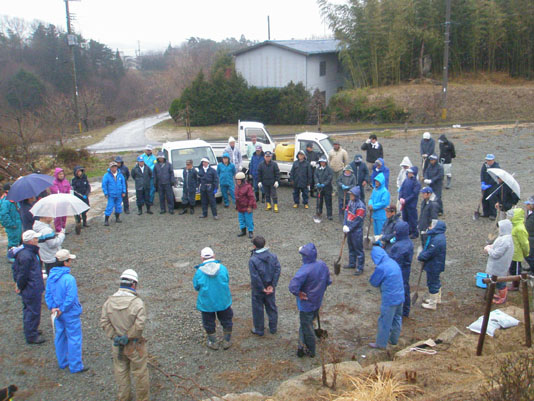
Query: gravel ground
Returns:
{"type": "Point", "coordinates": [163, 249]}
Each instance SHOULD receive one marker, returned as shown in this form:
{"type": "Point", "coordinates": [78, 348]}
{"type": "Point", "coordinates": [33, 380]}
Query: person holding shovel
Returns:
{"type": "Point", "coordinates": [433, 256]}
{"type": "Point", "coordinates": [426, 148]}
{"type": "Point", "coordinates": [433, 177]}
{"type": "Point", "coordinates": [408, 197]}
{"type": "Point", "coordinates": [323, 183]}
{"type": "Point", "coordinates": [429, 212]}
{"type": "Point", "coordinates": [309, 285]}
{"type": "Point", "coordinates": [353, 229]}
{"type": "Point", "coordinates": [402, 253]}
{"type": "Point", "coordinates": [380, 199]}
{"type": "Point", "coordinates": [388, 277]}
{"type": "Point", "coordinates": [344, 184]}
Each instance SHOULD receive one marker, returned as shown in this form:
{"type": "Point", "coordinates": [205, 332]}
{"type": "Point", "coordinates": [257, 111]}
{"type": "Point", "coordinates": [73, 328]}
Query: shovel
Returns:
{"type": "Point", "coordinates": [476, 215]}
{"type": "Point", "coordinates": [337, 263]}
{"type": "Point", "coordinates": [367, 240]}
{"type": "Point", "coordinates": [320, 333]}
{"type": "Point", "coordinates": [416, 294]}
{"type": "Point", "coordinates": [317, 217]}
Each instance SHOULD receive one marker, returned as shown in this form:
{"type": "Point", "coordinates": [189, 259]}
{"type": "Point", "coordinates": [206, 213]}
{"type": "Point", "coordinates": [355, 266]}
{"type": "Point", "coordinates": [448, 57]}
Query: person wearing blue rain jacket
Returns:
{"type": "Point", "coordinates": [408, 197]}
{"type": "Point", "coordinates": [433, 255]}
{"type": "Point", "coordinates": [255, 160]}
{"type": "Point", "coordinates": [150, 161]}
{"type": "Point", "coordinates": [402, 253]}
{"type": "Point", "coordinates": [214, 298]}
{"type": "Point", "coordinates": [61, 297]}
{"type": "Point", "coordinates": [309, 285]}
{"type": "Point", "coordinates": [388, 277]}
{"type": "Point", "coordinates": [226, 172]}
{"type": "Point", "coordinates": [387, 238]}
{"type": "Point", "coordinates": [10, 219]}
{"type": "Point", "coordinates": [380, 168]}
{"type": "Point", "coordinates": [377, 204]}
{"type": "Point", "coordinates": [208, 183]}
{"type": "Point", "coordinates": [353, 228]}
{"type": "Point", "coordinates": [114, 189]}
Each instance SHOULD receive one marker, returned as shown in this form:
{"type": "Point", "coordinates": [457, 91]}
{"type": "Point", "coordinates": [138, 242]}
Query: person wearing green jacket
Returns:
{"type": "Point", "coordinates": [10, 220]}
{"type": "Point", "coordinates": [521, 245]}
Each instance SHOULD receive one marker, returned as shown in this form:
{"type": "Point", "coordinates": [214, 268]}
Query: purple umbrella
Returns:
{"type": "Point", "coordinates": [29, 186]}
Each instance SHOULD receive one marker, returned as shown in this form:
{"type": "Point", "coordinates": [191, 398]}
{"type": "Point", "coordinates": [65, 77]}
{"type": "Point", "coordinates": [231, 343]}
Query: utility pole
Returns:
{"type": "Point", "coordinates": [72, 42]}
{"type": "Point", "coordinates": [268, 28]}
{"type": "Point", "coordinates": [446, 59]}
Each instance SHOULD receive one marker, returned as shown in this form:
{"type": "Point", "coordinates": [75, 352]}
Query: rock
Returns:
{"type": "Point", "coordinates": [240, 397]}
{"type": "Point", "coordinates": [449, 335]}
{"type": "Point", "coordinates": [307, 384]}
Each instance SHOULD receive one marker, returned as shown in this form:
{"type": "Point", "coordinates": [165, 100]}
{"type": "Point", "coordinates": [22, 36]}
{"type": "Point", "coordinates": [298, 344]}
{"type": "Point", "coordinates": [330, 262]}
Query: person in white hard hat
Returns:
{"type": "Point", "coordinates": [245, 203]}
{"type": "Point", "coordinates": [214, 299]}
{"type": "Point", "coordinates": [61, 297]}
{"type": "Point", "coordinates": [123, 320]}
{"type": "Point", "coordinates": [426, 148]}
{"type": "Point", "coordinates": [235, 154]}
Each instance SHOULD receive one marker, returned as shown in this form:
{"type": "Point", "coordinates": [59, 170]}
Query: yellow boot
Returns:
{"type": "Point", "coordinates": [276, 208]}
{"type": "Point", "coordinates": [268, 206]}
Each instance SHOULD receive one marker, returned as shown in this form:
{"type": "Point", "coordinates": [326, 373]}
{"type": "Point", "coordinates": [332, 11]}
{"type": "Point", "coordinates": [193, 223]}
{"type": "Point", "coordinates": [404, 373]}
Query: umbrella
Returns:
{"type": "Point", "coordinates": [29, 186]}
{"type": "Point", "coordinates": [507, 178]}
{"type": "Point", "coordinates": [59, 205]}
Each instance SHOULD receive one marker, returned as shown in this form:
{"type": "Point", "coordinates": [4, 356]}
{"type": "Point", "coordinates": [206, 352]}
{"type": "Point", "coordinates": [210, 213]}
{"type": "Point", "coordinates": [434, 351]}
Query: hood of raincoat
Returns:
{"type": "Point", "coordinates": [226, 154]}
{"type": "Point", "coordinates": [406, 162]}
{"type": "Point", "coordinates": [415, 170]}
{"type": "Point", "coordinates": [381, 161]}
{"type": "Point", "coordinates": [443, 138]}
{"type": "Point", "coordinates": [57, 171]}
{"type": "Point", "coordinates": [519, 217]}
{"type": "Point", "coordinates": [378, 255]}
{"type": "Point", "coordinates": [440, 228]}
{"type": "Point", "coordinates": [348, 168]}
{"type": "Point", "coordinates": [78, 168]}
{"type": "Point", "coordinates": [57, 272]}
{"type": "Point", "coordinates": [505, 227]}
{"type": "Point", "coordinates": [210, 267]}
{"type": "Point", "coordinates": [380, 178]}
{"type": "Point", "coordinates": [402, 230]}
{"type": "Point", "coordinates": [309, 253]}
{"type": "Point", "coordinates": [356, 191]}
{"type": "Point", "coordinates": [356, 157]}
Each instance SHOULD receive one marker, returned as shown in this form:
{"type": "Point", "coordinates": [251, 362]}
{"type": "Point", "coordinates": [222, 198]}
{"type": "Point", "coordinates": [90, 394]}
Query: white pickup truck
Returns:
{"type": "Point", "coordinates": [178, 152]}
{"type": "Point", "coordinates": [285, 152]}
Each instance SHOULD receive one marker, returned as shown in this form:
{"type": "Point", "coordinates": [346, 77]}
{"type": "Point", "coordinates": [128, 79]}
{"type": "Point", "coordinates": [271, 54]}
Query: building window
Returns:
{"type": "Point", "coordinates": [322, 68]}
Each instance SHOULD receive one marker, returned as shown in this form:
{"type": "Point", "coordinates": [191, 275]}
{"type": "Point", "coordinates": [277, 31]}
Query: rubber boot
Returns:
{"type": "Point", "coordinates": [227, 339]}
{"type": "Point", "coordinates": [118, 218]}
{"type": "Point", "coordinates": [106, 221]}
{"type": "Point", "coordinates": [268, 207]}
{"type": "Point", "coordinates": [503, 294]}
{"type": "Point", "coordinates": [276, 207]}
{"type": "Point", "coordinates": [257, 194]}
{"type": "Point", "coordinates": [251, 234]}
{"type": "Point", "coordinates": [139, 210]}
{"type": "Point", "coordinates": [432, 302]}
{"type": "Point", "coordinates": [448, 186]}
{"type": "Point", "coordinates": [184, 210]}
{"type": "Point", "coordinates": [211, 342]}
{"type": "Point", "coordinates": [78, 228]}
{"type": "Point", "coordinates": [84, 219]}
{"type": "Point", "coordinates": [262, 198]}
{"type": "Point", "coordinates": [148, 209]}
{"type": "Point", "coordinates": [242, 233]}
{"type": "Point", "coordinates": [438, 300]}
{"type": "Point", "coordinates": [191, 210]}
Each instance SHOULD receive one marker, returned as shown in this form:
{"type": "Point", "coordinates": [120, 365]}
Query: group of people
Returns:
{"type": "Point", "coordinates": [395, 226]}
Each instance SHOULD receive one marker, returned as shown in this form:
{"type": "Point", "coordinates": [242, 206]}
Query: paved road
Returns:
{"type": "Point", "coordinates": [130, 136]}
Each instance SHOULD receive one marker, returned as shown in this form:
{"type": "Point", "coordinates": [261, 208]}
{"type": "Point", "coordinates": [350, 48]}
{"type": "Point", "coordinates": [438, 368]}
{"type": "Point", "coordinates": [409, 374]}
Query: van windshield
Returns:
{"type": "Point", "coordinates": [327, 144]}
{"type": "Point", "coordinates": [179, 156]}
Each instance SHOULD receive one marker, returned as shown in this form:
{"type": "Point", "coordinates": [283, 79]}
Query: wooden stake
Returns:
{"type": "Point", "coordinates": [526, 308]}
{"type": "Point", "coordinates": [487, 311]}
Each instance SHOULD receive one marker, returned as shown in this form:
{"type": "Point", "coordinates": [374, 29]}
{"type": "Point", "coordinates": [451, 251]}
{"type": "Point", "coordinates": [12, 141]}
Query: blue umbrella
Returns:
{"type": "Point", "coordinates": [29, 186]}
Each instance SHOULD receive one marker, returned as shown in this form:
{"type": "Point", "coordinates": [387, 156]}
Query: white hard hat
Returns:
{"type": "Point", "coordinates": [149, 147]}
{"type": "Point", "coordinates": [240, 176]}
{"type": "Point", "coordinates": [129, 274]}
{"type": "Point", "coordinates": [207, 253]}
{"type": "Point", "coordinates": [204, 159]}
{"type": "Point", "coordinates": [231, 139]}
{"type": "Point", "coordinates": [29, 235]}
{"type": "Point", "coordinates": [426, 135]}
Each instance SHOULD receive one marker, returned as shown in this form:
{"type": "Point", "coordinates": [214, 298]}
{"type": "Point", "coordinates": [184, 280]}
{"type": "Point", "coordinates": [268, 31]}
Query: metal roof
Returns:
{"type": "Point", "coordinates": [305, 47]}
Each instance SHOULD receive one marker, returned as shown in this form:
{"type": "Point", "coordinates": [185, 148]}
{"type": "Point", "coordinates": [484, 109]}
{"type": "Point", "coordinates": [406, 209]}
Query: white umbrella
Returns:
{"type": "Point", "coordinates": [507, 178]}
{"type": "Point", "coordinates": [59, 205]}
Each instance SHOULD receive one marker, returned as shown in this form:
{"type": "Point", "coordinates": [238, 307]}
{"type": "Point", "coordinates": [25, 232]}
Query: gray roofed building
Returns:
{"type": "Point", "coordinates": [276, 63]}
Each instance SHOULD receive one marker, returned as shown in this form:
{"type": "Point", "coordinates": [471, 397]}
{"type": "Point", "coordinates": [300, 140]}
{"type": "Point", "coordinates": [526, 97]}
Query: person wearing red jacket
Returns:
{"type": "Point", "coordinates": [60, 186]}
{"type": "Point", "coordinates": [245, 202]}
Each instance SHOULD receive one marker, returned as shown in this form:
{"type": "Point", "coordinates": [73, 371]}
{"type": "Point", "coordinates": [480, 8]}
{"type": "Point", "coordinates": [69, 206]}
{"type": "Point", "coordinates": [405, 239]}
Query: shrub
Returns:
{"type": "Point", "coordinates": [514, 379]}
{"type": "Point", "coordinates": [71, 157]}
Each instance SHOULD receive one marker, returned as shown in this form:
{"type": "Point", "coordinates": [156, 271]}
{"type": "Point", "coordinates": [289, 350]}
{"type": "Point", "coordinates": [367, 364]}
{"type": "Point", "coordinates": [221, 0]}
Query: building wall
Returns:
{"type": "Point", "coordinates": [331, 81]}
{"type": "Point", "coordinates": [270, 66]}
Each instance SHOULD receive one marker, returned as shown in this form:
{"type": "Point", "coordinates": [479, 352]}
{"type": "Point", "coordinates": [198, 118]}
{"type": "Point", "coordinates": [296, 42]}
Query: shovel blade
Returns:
{"type": "Point", "coordinates": [337, 268]}
{"type": "Point", "coordinates": [414, 298]}
{"type": "Point", "coordinates": [320, 333]}
{"type": "Point", "coordinates": [317, 219]}
{"type": "Point", "coordinates": [476, 215]}
{"type": "Point", "coordinates": [367, 243]}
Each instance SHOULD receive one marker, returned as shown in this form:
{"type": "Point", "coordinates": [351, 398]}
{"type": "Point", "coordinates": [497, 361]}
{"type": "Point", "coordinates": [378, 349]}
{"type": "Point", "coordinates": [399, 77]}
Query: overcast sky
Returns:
{"type": "Point", "coordinates": [155, 23]}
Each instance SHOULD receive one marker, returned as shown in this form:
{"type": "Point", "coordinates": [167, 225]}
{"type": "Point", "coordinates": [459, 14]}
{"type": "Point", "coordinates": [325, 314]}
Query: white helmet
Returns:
{"type": "Point", "coordinates": [426, 135]}
{"type": "Point", "coordinates": [240, 176]}
{"type": "Point", "coordinates": [129, 274]}
{"type": "Point", "coordinates": [231, 139]}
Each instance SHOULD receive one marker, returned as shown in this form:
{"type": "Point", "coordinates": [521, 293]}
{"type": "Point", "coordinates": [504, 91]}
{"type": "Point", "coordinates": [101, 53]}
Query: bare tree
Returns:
{"type": "Point", "coordinates": [58, 117]}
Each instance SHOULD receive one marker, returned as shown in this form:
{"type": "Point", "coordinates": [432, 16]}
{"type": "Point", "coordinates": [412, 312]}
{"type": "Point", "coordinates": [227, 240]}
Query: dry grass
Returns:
{"type": "Point", "coordinates": [379, 386]}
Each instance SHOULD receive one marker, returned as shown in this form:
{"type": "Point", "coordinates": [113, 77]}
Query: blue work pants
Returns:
{"type": "Point", "coordinates": [246, 221]}
{"type": "Point", "coordinates": [68, 342]}
{"type": "Point", "coordinates": [389, 325]}
{"type": "Point", "coordinates": [259, 301]}
{"type": "Point", "coordinates": [225, 190]}
{"type": "Point", "coordinates": [114, 202]}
